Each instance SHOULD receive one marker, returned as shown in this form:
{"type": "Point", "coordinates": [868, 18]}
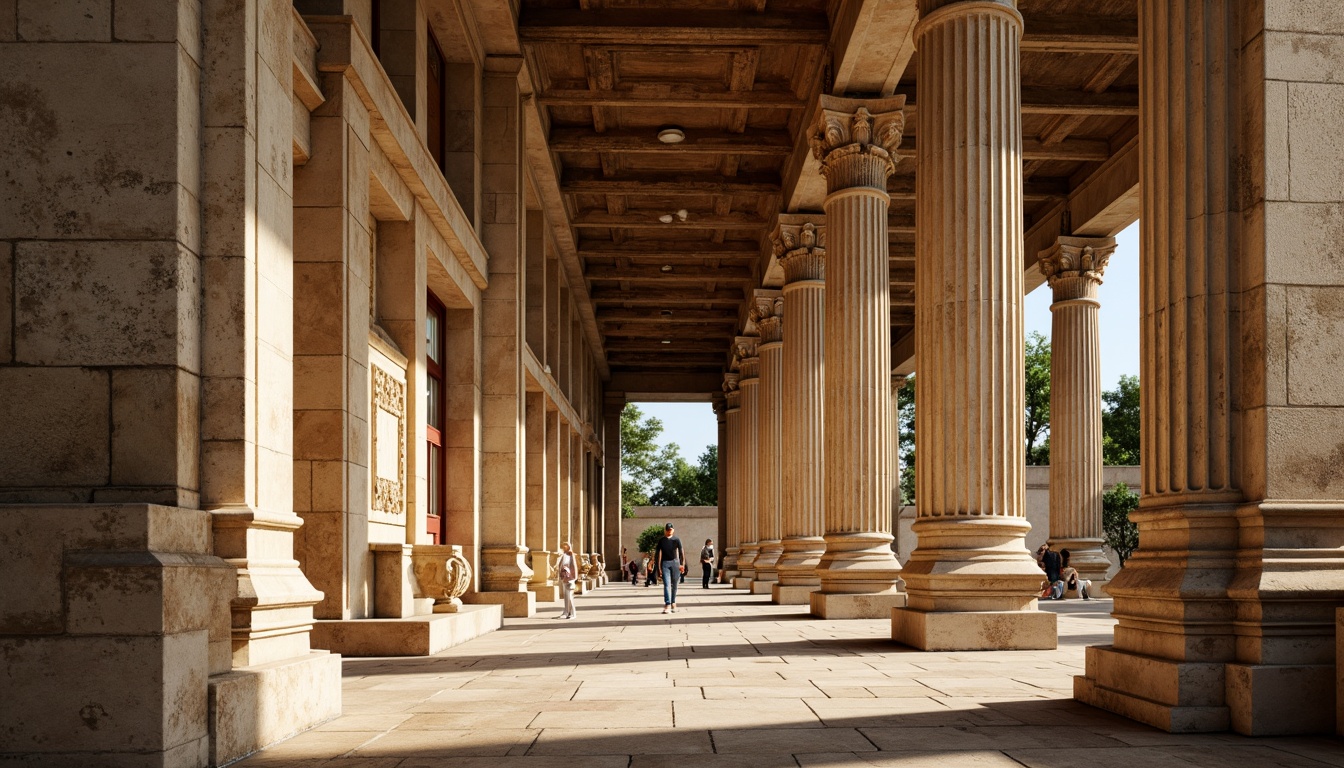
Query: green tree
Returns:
{"type": "Point", "coordinates": [1119, 533]}
{"type": "Point", "coordinates": [1120, 423]}
{"type": "Point", "coordinates": [687, 485]}
{"type": "Point", "coordinates": [643, 464]}
{"type": "Point", "coordinates": [905, 439]}
{"type": "Point", "coordinates": [1038, 399]}
{"type": "Point", "coordinates": [648, 538]}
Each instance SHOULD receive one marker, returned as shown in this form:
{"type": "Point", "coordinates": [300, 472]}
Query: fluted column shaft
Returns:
{"type": "Point", "coordinates": [971, 554]}
{"type": "Point", "coordinates": [854, 140]}
{"type": "Point", "coordinates": [733, 451]}
{"type": "Point", "coordinates": [1074, 267]}
{"type": "Point", "coordinates": [749, 385]}
{"type": "Point", "coordinates": [801, 251]}
{"type": "Point", "coordinates": [767, 315]}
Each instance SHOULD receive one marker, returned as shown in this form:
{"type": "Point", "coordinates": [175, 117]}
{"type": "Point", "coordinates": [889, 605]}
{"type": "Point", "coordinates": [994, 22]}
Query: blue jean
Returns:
{"type": "Point", "coordinates": [671, 574]}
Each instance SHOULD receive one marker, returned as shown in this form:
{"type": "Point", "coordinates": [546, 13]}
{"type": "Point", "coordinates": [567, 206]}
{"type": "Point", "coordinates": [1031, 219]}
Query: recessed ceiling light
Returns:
{"type": "Point", "coordinates": [671, 135]}
{"type": "Point", "coordinates": [667, 341]}
{"type": "Point", "coordinates": [666, 268]}
{"type": "Point", "coordinates": [666, 313]}
{"type": "Point", "coordinates": [666, 218]}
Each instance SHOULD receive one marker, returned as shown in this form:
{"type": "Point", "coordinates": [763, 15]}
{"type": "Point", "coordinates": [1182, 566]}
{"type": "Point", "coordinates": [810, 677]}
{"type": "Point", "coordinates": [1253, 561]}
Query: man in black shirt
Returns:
{"type": "Point", "coordinates": [669, 560]}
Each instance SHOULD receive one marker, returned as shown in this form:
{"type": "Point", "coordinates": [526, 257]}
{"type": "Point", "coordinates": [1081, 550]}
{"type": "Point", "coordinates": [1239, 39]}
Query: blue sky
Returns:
{"type": "Point", "coordinates": [692, 427]}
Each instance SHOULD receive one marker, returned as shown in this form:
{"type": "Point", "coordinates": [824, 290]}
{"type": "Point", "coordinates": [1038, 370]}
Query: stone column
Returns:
{"type": "Point", "coordinates": [853, 139]}
{"type": "Point", "coordinates": [799, 245]}
{"type": "Point", "coordinates": [971, 581]}
{"type": "Point", "coordinates": [733, 451]}
{"type": "Point", "coordinates": [721, 491]}
{"type": "Point", "coordinates": [1074, 268]}
{"type": "Point", "coordinates": [1226, 611]}
{"type": "Point", "coordinates": [612, 406]}
{"type": "Point", "coordinates": [504, 570]}
{"type": "Point", "coordinates": [540, 526]}
{"type": "Point", "coordinates": [767, 314]}
{"type": "Point", "coordinates": [749, 384]}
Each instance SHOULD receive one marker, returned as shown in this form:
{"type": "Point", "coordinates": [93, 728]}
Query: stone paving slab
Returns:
{"type": "Point", "coordinates": [731, 681]}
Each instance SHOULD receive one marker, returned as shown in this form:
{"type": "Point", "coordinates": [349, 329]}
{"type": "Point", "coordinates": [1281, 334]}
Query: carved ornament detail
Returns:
{"type": "Point", "coordinates": [443, 576]}
{"type": "Point", "coordinates": [856, 140]}
{"type": "Point", "coordinates": [801, 251]}
{"type": "Point", "coordinates": [389, 424]}
{"type": "Point", "coordinates": [768, 315]}
{"type": "Point", "coordinates": [747, 354]}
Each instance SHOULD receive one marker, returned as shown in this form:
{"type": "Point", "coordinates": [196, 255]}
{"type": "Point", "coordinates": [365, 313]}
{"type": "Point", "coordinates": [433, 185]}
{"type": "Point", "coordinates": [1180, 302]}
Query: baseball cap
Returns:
{"type": "Point", "coordinates": [668, 527]}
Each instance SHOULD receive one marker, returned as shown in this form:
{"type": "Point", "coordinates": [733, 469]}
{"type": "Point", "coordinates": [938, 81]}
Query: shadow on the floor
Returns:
{"type": "Point", "coordinates": [1043, 733]}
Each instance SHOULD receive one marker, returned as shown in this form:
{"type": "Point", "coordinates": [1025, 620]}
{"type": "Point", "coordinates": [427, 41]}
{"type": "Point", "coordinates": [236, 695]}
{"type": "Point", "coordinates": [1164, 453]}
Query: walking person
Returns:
{"type": "Point", "coordinates": [567, 568]}
{"type": "Point", "coordinates": [669, 559]}
{"type": "Point", "coordinates": [706, 563]}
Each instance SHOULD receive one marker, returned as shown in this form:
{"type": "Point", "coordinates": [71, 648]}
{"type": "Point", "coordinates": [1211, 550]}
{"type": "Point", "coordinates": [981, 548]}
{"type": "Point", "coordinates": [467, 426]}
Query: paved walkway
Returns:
{"type": "Point", "coordinates": [731, 681]}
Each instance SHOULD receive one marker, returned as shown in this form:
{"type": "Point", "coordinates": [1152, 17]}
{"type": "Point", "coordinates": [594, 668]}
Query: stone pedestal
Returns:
{"type": "Point", "coordinates": [543, 579]}
{"type": "Point", "coordinates": [767, 314]}
{"type": "Point", "coordinates": [853, 139]}
{"type": "Point", "coordinates": [799, 245]}
{"type": "Point", "coordinates": [1074, 267]}
{"type": "Point", "coordinates": [971, 581]}
{"type": "Point", "coordinates": [748, 364]}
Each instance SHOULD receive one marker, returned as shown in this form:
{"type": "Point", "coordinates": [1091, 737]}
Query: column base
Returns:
{"type": "Point", "coordinates": [742, 582]}
{"type": "Point", "coordinates": [1256, 694]}
{"type": "Point", "coordinates": [760, 587]}
{"type": "Point", "coordinates": [974, 630]}
{"type": "Point", "coordinates": [410, 636]}
{"type": "Point", "coordinates": [1178, 697]}
{"type": "Point", "coordinates": [516, 605]}
{"type": "Point", "coordinates": [855, 605]}
{"type": "Point", "coordinates": [783, 595]}
{"type": "Point", "coordinates": [254, 707]}
{"type": "Point", "coordinates": [546, 593]}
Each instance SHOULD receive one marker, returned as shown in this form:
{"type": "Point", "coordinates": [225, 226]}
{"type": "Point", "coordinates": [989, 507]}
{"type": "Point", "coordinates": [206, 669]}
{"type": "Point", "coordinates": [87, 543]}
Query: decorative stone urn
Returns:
{"type": "Point", "coordinates": [442, 574]}
{"type": "Point", "coordinates": [543, 570]}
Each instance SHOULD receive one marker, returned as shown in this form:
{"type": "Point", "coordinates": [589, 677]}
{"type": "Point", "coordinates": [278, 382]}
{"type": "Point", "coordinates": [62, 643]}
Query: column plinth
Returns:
{"type": "Point", "coordinates": [767, 314]}
{"type": "Point", "coordinates": [971, 581]}
{"type": "Point", "coordinates": [1074, 267]}
{"type": "Point", "coordinates": [800, 246]}
{"type": "Point", "coordinates": [749, 365]}
{"type": "Point", "coordinates": [733, 396]}
{"type": "Point", "coordinates": [859, 575]}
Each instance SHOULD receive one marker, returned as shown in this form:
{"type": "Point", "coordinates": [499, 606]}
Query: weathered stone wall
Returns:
{"type": "Point", "coordinates": [694, 525]}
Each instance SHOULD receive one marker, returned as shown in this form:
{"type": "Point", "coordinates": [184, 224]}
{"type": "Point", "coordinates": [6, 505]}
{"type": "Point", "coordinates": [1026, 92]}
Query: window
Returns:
{"type": "Point", "coordinates": [434, 396]}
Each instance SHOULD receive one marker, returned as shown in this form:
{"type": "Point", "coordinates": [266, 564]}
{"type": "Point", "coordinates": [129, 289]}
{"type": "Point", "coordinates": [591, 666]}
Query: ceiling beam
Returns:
{"type": "Point", "coordinates": [653, 273]}
{"type": "Point", "coordinates": [1060, 101]}
{"type": "Point", "coordinates": [663, 296]}
{"type": "Point", "coordinates": [672, 96]}
{"type": "Point", "coordinates": [582, 181]}
{"type": "Point", "coordinates": [671, 27]}
{"type": "Point", "coordinates": [644, 219]}
{"type": "Point", "coordinates": [670, 250]}
{"type": "Point", "coordinates": [1073, 33]}
{"type": "Point", "coordinates": [632, 315]}
{"type": "Point", "coordinates": [645, 141]}
{"type": "Point", "coordinates": [721, 330]}
{"type": "Point", "coordinates": [1076, 150]}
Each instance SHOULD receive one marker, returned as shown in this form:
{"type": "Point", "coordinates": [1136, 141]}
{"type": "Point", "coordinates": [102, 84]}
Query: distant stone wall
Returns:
{"type": "Point", "coordinates": [1038, 509]}
{"type": "Point", "coordinates": [694, 525]}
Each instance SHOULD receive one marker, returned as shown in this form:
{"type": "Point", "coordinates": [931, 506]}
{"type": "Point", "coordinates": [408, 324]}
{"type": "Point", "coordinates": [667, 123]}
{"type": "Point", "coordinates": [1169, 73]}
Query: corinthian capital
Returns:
{"type": "Point", "coordinates": [800, 247]}
{"type": "Point", "coordinates": [747, 356]}
{"type": "Point", "coordinates": [767, 313]}
{"type": "Point", "coordinates": [855, 140]}
{"type": "Point", "coordinates": [730, 391]}
{"type": "Point", "coordinates": [1077, 257]}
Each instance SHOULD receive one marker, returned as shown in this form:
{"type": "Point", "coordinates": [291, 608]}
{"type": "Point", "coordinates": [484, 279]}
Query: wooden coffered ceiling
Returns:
{"type": "Point", "coordinates": [672, 238]}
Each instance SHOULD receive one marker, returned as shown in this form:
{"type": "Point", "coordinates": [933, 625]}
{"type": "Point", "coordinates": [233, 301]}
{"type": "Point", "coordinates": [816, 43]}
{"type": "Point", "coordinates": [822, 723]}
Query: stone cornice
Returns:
{"type": "Point", "coordinates": [856, 139]}
{"type": "Point", "coordinates": [800, 248]}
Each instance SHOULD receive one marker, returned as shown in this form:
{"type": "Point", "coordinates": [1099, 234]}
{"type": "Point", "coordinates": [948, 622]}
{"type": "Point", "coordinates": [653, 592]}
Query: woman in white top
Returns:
{"type": "Point", "coordinates": [567, 570]}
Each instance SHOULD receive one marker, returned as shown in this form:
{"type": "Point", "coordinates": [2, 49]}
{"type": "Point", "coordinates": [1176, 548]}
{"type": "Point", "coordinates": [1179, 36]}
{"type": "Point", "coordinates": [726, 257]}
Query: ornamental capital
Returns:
{"type": "Point", "coordinates": [767, 313]}
{"type": "Point", "coordinates": [898, 381]}
{"type": "Point", "coordinates": [730, 382]}
{"type": "Point", "coordinates": [747, 357]}
{"type": "Point", "coordinates": [1076, 257]}
{"type": "Point", "coordinates": [856, 139]}
{"type": "Point", "coordinates": [799, 245]}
